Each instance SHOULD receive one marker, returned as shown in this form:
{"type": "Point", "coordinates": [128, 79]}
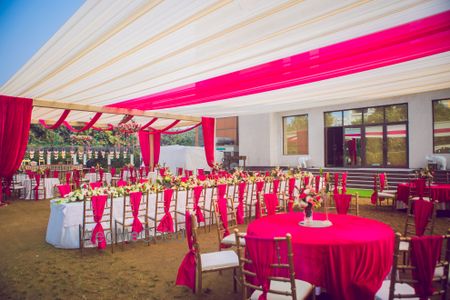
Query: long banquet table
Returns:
{"type": "Point", "coordinates": [65, 218]}
{"type": "Point", "coordinates": [350, 259]}
{"type": "Point", "coordinates": [49, 185]}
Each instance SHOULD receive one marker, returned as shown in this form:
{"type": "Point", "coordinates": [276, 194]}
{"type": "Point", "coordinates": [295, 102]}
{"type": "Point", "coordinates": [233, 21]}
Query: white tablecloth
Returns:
{"type": "Point", "coordinates": [94, 177]}
{"type": "Point", "coordinates": [64, 220]}
{"type": "Point", "coordinates": [49, 184]}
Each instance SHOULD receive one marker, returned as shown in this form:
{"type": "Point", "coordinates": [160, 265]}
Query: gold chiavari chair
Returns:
{"type": "Point", "coordinates": [280, 287]}
{"type": "Point", "coordinates": [252, 199]}
{"type": "Point", "coordinates": [229, 240]}
{"type": "Point", "coordinates": [158, 213]}
{"type": "Point", "coordinates": [398, 287]}
{"type": "Point", "coordinates": [88, 223]}
{"type": "Point", "coordinates": [212, 261]}
{"type": "Point", "coordinates": [353, 206]}
{"type": "Point", "coordinates": [125, 221]}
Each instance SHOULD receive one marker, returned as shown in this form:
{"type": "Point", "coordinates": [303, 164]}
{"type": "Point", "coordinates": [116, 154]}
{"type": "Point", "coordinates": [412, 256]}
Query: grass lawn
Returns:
{"type": "Point", "coordinates": [363, 193]}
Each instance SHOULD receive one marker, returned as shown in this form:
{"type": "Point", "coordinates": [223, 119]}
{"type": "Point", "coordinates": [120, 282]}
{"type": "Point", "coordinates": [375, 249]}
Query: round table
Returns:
{"type": "Point", "coordinates": [350, 259]}
{"type": "Point", "coordinates": [440, 192]}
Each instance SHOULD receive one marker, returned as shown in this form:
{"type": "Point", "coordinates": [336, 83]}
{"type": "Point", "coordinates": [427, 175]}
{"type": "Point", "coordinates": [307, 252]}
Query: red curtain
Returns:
{"type": "Point", "coordinates": [144, 142]}
{"type": "Point", "coordinates": [15, 119]}
{"type": "Point", "coordinates": [208, 125]}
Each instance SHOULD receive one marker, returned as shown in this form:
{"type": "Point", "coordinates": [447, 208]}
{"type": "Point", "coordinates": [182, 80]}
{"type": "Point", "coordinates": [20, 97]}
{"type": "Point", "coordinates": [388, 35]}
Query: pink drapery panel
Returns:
{"type": "Point", "coordinates": [64, 189]}
{"type": "Point", "coordinates": [209, 128]}
{"type": "Point", "coordinates": [425, 253]}
{"type": "Point", "coordinates": [259, 188]}
{"type": "Point", "coordinates": [58, 123]}
{"type": "Point", "coordinates": [261, 252]}
{"type": "Point", "coordinates": [37, 177]}
{"type": "Point", "coordinates": [187, 269]}
{"type": "Point", "coordinates": [87, 126]}
{"type": "Point", "coordinates": [291, 188]}
{"type": "Point", "coordinates": [336, 183]}
{"type": "Point", "coordinates": [423, 211]}
{"type": "Point", "coordinates": [383, 48]}
{"type": "Point", "coordinates": [374, 196]}
{"type": "Point", "coordinates": [197, 191]}
{"type": "Point", "coordinates": [166, 223]}
{"type": "Point", "coordinates": [149, 123]}
{"type": "Point", "coordinates": [183, 130]}
{"type": "Point", "coordinates": [342, 202]}
{"type": "Point", "coordinates": [135, 202]}
{"type": "Point", "coordinates": [15, 118]}
{"type": "Point", "coordinates": [144, 142]}
{"type": "Point", "coordinates": [344, 183]}
{"type": "Point", "coordinates": [271, 203]}
{"type": "Point", "coordinates": [98, 207]}
{"type": "Point", "coordinates": [126, 119]}
{"type": "Point", "coordinates": [240, 208]}
{"type": "Point", "coordinates": [171, 125]}
{"type": "Point", "coordinates": [317, 183]}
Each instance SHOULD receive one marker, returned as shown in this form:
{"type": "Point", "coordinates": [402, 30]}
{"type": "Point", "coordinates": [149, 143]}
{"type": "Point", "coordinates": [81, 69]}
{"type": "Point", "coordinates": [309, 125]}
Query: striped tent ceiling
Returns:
{"type": "Point", "coordinates": [110, 51]}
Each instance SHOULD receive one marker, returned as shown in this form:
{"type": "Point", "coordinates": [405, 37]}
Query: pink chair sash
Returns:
{"type": "Point", "coordinates": [344, 183]}
{"type": "Point", "coordinates": [98, 207]}
{"type": "Point", "coordinates": [121, 174]}
{"type": "Point", "coordinates": [276, 185]}
{"type": "Point", "coordinates": [259, 188]}
{"type": "Point", "coordinates": [113, 172]}
{"type": "Point", "coordinates": [221, 190]}
{"type": "Point", "coordinates": [306, 180]}
{"type": "Point", "coordinates": [92, 170]}
{"type": "Point", "coordinates": [425, 253]}
{"type": "Point", "coordinates": [342, 202]}
{"type": "Point", "coordinates": [336, 183]}
{"type": "Point", "coordinates": [197, 191]}
{"type": "Point", "coordinates": [223, 211]}
{"type": "Point", "coordinates": [188, 173]}
{"type": "Point", "coordinates": [420, 187]}
{"type": "Point", "coordinates": [30, 174]}
{"type": "Point", "coordinates": [240, 208]}
{"type": "Point", "coordinates": [422, 213]}
{"type": "Point", "coordinates": [101, 173]}
{"type": "Point", "coordinates": [374, 196]}
{"type": "Point", "coordinates": [76, 178]}
{"type": "Point", "coordinates": [382, 181]}
{"type": "Point", "coordinates": [121, 183]}
{"type": "Point", "coordinates": [271, 203]}
{"type": "Point", "coordinates": [261, 253]}
{"type": "Point", "coordinates": [37, 177]}
{"type": "Point", "coordinates": [64, 189]}
{"type": "Point", "coordinates": [147, 170]}
{"type": "Point", "coordinates": [317, 183]}
{"type": "Point", "coordinates": [291, 188]}
{"type": "Point", "coordinates": [179, 171]}
{"type": "Point", "coordinates": [162, 171]}
{"type": "Point", "coordinates": [141, 172]}
{"type": "Point", "coordinates": [68, 177]}
{"type": "Point", "coordinates": [188, 267]}
{"type": "Point", "coordinates": [135, 202]}
{"type": "Point", "coordinates": [200, 172]}
{"type": "Point", "coordinates": [47, 173]}
{"type": "Point", "coordinates": [143, 180]}
{"type": "Point", "coordinates": [95, 185]}
{"type": "Point", "coordinates": [166, 223]}
{"type": "Point", "coordinates": [55, 174]}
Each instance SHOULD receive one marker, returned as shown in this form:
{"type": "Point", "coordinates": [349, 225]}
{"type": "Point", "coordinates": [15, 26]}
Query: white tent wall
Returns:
{"type": "Point", "coordinates": [186, 157]}
{"type": "Point", "coordinates": [261, 136]}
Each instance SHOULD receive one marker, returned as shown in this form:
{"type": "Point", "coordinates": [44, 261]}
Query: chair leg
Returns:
{"type": "Point", "coordinates": [198, 289]}
{"type": "Point", "coordinates": [234, 281]}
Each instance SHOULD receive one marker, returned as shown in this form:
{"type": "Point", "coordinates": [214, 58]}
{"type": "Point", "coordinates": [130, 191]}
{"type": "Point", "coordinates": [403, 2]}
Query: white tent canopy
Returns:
{"type": "Point", "coordinates": [186, 157]}
{"type": "Point", "coordinates": [111, 51]}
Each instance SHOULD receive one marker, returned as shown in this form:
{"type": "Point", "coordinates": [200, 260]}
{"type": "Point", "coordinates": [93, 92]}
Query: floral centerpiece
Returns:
{"type": "Point", "coordinates": [308, 200]}
{"type": "Point", "coordinates": [424, 173]}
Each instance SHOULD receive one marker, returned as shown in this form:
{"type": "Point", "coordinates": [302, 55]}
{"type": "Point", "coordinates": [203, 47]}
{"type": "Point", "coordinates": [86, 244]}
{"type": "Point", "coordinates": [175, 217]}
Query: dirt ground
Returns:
{"type": "Point", "coordinates": [32, 269]}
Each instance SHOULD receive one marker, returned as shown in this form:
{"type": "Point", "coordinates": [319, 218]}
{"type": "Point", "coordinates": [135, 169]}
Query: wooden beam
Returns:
{"type": "Point", "coordinates": [111, 110]}
{"type": "Point", "coordinates": [102, 125]}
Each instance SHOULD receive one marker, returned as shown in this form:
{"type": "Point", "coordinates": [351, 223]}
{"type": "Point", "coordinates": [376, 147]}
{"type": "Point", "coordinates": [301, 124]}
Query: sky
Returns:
{"type": "Point", "coordinates": [25, 26]}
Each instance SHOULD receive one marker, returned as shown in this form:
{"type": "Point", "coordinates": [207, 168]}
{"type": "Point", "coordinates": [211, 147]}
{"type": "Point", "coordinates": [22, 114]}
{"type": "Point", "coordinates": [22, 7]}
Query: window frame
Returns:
{"type": "Point", "coordinates": [432, 130]}
{"type": "Point", "coordinates": [283, 133]}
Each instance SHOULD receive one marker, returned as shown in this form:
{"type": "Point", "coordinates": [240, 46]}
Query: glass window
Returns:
{"type": "Point", "coordinates": [295, 135]}
{"type": "Point", "coordinates": [333, 119]}
{"type": "Point", "coordinates": [441, 126]}
{"type": "Point", "coordinates": [374, 145]}
{"type": "Point", "coordinates": [352, 117]}
{"type": "Point", "coordinates": [396, 113]}
{"type": "Point", "coordinates": [352, 138]}
{"type": "Point", "coordinates": [396, 145]}
{"type": "Point", "coordinates": [374, 115]}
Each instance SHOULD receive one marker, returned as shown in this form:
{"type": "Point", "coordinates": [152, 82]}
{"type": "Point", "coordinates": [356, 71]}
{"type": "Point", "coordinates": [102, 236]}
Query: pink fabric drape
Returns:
{"type": "Point", "coordinates": [85, 127]}
{"type": "Point", "coordinates": [37, 177]}
{"type": "Point", "coordinates": [101, 172]}
{"type": "Point", "coordinates": [261, 261]}
{"type": "Point", "coordinates": [98, 207]}
{"type": "Point", "coordinates": [200, 172]}
{"type": "Point", "coordinates": [317, 183]}
{"type": "Point", "coordinates": [113, 172]}
{"type": "Point", "coordinates": [259, 188]}
{"type": "Point", "coordinates": [47, 173]}
{"type": "Point", "coordinates": [76, 178]}
{"type": "Point", "coordinates": [95, 185]}
{"type": "Point", "coordinates": [423, 211]}
{"type": "Point", "coordinates": [188, 173]}
{"type": "Point", "coordinates": [15, 119]}
{"type": "Point", "coordinates": [55, 174]}
{"type": "Point", "coordinates": [135, 202]}
{"type": "Point", "coordinates": [162, 172]}
{"type": "Point", "coordinates": [306, 180]}
{"type": "Point", "coordinates": [166, 223]}
{"type": "Point", "coordinates": [221, 190]}
{"type": "Point", "coordinates": [240, 208]}
{"type": "Point", "coordinates": [188, 267]}
{"type": "Point", "coordinates": [374, 196]}
{"type": "Point", "coordinates": [197, 191]}
{"type": "Point", "coordinates": [223, 211]}
{"type": "Point", "coordinates": [291, 188]}
{"type": "Point", "coordinates": [92, 170]}
{"type": "Point", "coordinates": [425, 253]}
{"type": "Point", "coordinates": [121, 183]}
{"type": "Point", "coordinates": [336, 183]}
{"type": "Point", "coordinates": [344, 183]}
{"type": "Point", "coordinates": [144, 142]}
{"type": "Point", "coordinates": [271, 203]}
{"type": "Point", "coordinates": [179, 171]}
{"type": "Point", "coordinates": [64, 189]}
{"type": "Point", "coordinates": [58, 123]}
{"type": "Point", "coordinates": [209, 128]}
{"type": "Point", "coordinates": [342, 202]}
{"type": "Point", "coordinates": [382, 181]}
{"type": "Point", "coordinates": [68, 177]}
{"type": "Point", "coordinates": [420, 187]}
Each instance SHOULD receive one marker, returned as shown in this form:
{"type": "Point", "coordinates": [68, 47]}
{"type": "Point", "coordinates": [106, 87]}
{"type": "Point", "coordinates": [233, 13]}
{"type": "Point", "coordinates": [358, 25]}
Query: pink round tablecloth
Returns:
{"type": "Point", "coordinates": [350, 259]}
{"type": "Point", "coordinates": [440, 192]}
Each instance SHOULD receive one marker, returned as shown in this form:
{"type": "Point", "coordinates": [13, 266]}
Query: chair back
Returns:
{"type": "Point", "coordinates": [408, 271]}
{"type": "Point", "coordinates": [225, 218]}
{"type": "Point", "coordinates": [141, 210]}
{"type": "Point", "coordinates": [276, 260]}
{"type": "Point", "coordinates": [344, 203]}
{"type": "Point", "coordinates": [423, 222]}
{"type": "Point", "coordinates": [159, 206]}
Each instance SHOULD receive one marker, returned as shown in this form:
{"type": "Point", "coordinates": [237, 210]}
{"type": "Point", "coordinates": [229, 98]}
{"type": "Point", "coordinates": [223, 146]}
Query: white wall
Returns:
{"type": "Point", "coordinates": [261, 137]}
